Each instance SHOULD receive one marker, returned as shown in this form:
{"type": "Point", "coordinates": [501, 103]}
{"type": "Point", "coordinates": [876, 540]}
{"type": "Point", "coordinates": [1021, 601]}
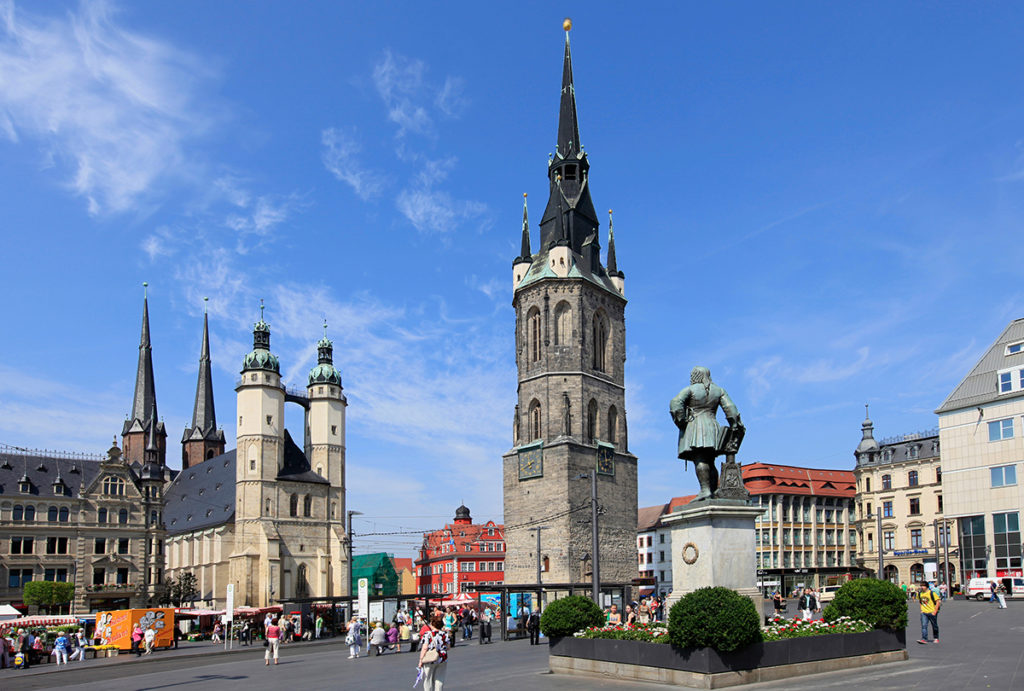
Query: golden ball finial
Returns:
{"type": "Point", "coordinates": [567, 24]}
{"type": "Point", "coordinates": [609, 211]}
{"type": "Point", "coordinates": [524, 195]}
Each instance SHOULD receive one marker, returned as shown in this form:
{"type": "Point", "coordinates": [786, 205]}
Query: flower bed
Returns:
{"type": "Point", "coordinates": [650, 633]}
{"type": "Point", "coordinates": [798, 628]}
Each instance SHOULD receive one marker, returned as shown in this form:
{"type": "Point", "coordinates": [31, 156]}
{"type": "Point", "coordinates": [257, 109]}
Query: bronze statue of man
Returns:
{"type": "Point", "coordinates": [701, 439]}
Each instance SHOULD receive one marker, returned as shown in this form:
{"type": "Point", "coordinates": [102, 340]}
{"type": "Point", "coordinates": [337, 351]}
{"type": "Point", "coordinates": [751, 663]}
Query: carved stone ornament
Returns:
{"type": "Point", "coordinates": [690, 553]}
{"type": "Point", "coordinates": [731, 484]}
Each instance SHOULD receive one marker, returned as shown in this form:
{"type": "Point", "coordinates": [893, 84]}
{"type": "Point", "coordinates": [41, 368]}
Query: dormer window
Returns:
{"type": "Point", "coordinates": [570, 172]}
{"type": "Point", "coordinates": [1015, 348]}
{"type": "Point", "coordinates": [58, 488]}
{"type": "Point", "coordinates": [25, 487]}
{"type": "Point", "coordinates": [1010, 380]}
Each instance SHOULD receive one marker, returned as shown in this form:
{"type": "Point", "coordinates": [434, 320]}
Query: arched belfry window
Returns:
{"type": "Point", "coordinates": [535, 426]}
{"type": "Point", "coordinates": [592, 421]}
{"type": "Point", "coordinates": [613, 425]}
{"type": "Point", "coordinates": [301, 582]}
{"type": "Point", "coordinates": [563, 323]}
{"type": "Point", "coordinates": [533, 334]}
{"type": "Point", "coordinates": [307, 506]}
{"type": "Point", "coordinates": [599, 342]}
{"type": "Point", "coordinates": [293, 505]}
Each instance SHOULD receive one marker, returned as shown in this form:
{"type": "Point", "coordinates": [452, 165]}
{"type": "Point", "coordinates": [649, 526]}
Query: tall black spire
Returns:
{"type": "Point", "coordinates": [144, 403]}
{"type": "Point", "coordinates": [569, 218]}
{"type": "Point", "coordinates": [524, 252]}
{"type": "Point", "coordinates": [613, 267]}
{"type": "Point", "coordinates": [203, 434]}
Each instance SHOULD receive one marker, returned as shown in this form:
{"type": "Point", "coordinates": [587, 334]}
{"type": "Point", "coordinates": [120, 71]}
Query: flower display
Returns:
{"type": "Point", "coordinates": [798, 628]}
{"type": "Point", "coordinates": [651, 633]}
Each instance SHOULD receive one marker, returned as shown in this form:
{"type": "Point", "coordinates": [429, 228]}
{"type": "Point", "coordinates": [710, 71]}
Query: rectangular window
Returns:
{"type": "Point", "coordinates": [870, 513]}
{"type": "Point", "coordinates": [867, 484]}
{"type": "Point", "coordinates": [661, 556]}
{"type": "Point", "coordinates": [887, 510]}
{"type": "Point", "coordinates": [60, 575]}
{"type": "Point", "coordinates": [821, 536]}
{"type": "Point", "coordinates": [915, 506]}
{"type": "Point", "coordinates": [1004, 475]}
{"type": "Point", "coordinates": [17, 578]}
{"type": "Point", "coordinates": [1014, 348]}
{"type": "Point", "coordinates": [939, 498]}
{"type": "Point", "coordinates": [122, 575]}
{"type": "Point", "coordinates": [888, 540]}
{"type": "Point", "coordinates": [972, 545]}
{"type": "Point", "coordinates": [122, 545]}
{"type": "Point", "coordinates": [99, 546]}
{"type": "Point", "coordinates": [661, 539]}
{"type": "Point", "coordinates": [853, 538]}
{"type": "Point", "coordinates": [1006, 527]}
{"type": "Point", "coordinates": [99, 576]}
{"type": "Point", "coordinates": [501, 566]}
{"type": "Point", "coordinates": [1005, 382]}
{"type": "Point", "coordinates": [56, 545]}
{"type": "Point", "coordinates": [468, 566]}
{"type": "Point", "coordinates": [915, 538]}
{"type": "Point", "coordinates": [938, 474]}
{"type": "Point", "coordinates": [1000, 429]}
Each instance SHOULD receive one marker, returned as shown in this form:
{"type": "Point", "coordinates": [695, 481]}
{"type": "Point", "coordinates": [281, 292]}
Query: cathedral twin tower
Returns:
{"type": "Point", "coordinates": [570, 355]}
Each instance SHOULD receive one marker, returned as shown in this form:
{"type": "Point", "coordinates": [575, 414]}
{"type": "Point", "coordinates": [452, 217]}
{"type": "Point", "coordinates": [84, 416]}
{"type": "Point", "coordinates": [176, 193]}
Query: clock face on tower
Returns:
{"type": "Point", "coordinates": [531, 463]}
{"type": "Point", "coordinates": [605, 460]}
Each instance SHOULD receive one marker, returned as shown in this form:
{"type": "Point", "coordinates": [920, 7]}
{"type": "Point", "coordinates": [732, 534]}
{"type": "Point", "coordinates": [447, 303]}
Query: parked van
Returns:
{"type": "Point", "coordinates": [828, 593]}
{"type": "Point", "coordinates": [979, 589]}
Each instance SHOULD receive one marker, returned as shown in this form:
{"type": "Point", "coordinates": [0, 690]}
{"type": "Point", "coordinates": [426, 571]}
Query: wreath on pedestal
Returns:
{"type": "Point", "coordinates": [688, 549]}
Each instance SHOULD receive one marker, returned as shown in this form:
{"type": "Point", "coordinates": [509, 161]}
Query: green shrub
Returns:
{"type": "Point", "coordinates": [570, 614]}
{"type": "Point", "coordinates": [880, 603]}
{"type": "Point", "coordinates": [716, 618]}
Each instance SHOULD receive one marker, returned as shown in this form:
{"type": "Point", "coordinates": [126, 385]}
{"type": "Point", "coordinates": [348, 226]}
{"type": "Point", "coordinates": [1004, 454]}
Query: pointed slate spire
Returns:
{"type": "Point", "coordinates": [525, 254]}
{"type": "Point", "coordinates": [204, 417]}
{"type": "Point", "coordinates": [568, 124]}
{"type": "Point", "coordinates": [868, 446]}
{"type": "Point", "coordinates": [613, 268]}
{"type": "Point", "coordinates": [144, 402]}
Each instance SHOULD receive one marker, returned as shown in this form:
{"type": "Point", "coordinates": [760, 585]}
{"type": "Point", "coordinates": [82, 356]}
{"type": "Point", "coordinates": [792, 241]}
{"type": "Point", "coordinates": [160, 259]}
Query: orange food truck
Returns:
{"type": "Point", "coordinates": [115, 627]}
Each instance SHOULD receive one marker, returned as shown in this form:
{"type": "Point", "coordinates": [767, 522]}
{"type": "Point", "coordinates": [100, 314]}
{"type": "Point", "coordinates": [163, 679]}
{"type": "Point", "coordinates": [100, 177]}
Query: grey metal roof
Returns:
{"type": "Point", "coordinates": [202, 496]}
{"type": "Point", "coordinates": [980, 386]}
{"type": "Point", "coordinates": [75, 471]}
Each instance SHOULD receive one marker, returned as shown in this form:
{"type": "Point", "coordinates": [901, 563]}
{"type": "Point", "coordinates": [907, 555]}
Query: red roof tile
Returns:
{"type": "Point", "coordinates": [772, 478]}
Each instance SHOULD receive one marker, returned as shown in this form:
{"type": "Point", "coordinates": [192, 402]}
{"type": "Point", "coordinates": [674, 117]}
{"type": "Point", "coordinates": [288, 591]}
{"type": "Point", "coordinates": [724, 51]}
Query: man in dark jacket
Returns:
{"type": "Point", "coordinates": [808, 604]}
{"type": "Point", "coordinates": [533, 626]}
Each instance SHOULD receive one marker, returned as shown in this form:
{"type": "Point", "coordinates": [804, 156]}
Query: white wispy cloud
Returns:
{"type": "Point", "coordinates": [450, 99]}
{"type": "Point", "coordinates": [400, 82]}
{"type": "Point", "coordinates": [435, 210]}
{"type": "Point", "coordinates": [114, 111]}
{"type": "Point", "coordinates": [339, 155]}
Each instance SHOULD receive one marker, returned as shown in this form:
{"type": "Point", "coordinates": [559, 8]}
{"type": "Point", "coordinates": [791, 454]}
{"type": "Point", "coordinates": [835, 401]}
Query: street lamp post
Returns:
{"type": "Point", "coordinates": [349, 528]}
{"type": "Point", "coordinates": [881, 543]}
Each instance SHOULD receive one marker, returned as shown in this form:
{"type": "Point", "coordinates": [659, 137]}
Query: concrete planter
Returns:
{"type": "Point", "coordinates": [708, 661]}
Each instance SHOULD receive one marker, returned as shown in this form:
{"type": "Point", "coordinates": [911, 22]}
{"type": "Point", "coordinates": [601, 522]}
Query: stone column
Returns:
{"type": "Point", "coordinates": [713, 545]}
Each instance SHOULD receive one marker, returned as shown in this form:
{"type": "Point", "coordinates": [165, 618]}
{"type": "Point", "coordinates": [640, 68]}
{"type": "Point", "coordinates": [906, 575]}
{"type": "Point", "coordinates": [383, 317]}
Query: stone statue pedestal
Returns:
{"type": "Point", "coordinates": [713, 545]}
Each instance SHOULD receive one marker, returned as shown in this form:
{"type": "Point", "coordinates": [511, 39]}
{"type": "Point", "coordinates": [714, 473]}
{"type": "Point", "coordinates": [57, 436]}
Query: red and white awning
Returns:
{"type": "Point", "coordinates": [29, 622]}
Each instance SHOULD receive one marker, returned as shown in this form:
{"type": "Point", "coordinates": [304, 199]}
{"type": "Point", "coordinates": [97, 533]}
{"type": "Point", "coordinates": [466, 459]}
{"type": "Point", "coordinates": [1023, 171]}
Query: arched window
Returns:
{"type": "Point", "coordinates": [912, 478]}
{"type": "Point", "coordinates": [563, 323]}
{"type": "Point", "coordinates": [535, 426]}
{"type": "Point", "coordinates": [916, 573]}
{"type": "Point", "coordinates": [122, 516]}
{"type": "Point", "coordinates": [293, 505]}
{"type": "Point", "coordinates": [209, 454]}
{"type": "Point", "coordinates": [307, 506]}
{"type": "Point", "coordinates": [533, 334]}
{"type": "Point", "coordinates": [65, 514]}
{"type": "Point", "coordinates": [51, 514]}
{"type": "Point", "coordinates": [152, 518]}
{"type": "Point", "coordinates": [600, 342]}
{"type": "Point", "coordinates": [18, 513]}
{"type": "Point", "coordinates": [613, 424]}
{"type": "Point", "coordinates": [101, 516]}
{"type": "Point", "coordinates": [591, 421]}
{"type": "Point", "coordinates": [301, 584]}
{"type": "Point", "coordinates": [886, 482]}
{"type": "Point", "coordinates": [546, 564]}
{"type": "Point", "coordinates": [867, 484]}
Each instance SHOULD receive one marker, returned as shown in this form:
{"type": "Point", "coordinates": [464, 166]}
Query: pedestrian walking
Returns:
{"type": "Point", "coordinates": [137, 640]}
{"type": "Point", "coordinates": [24, 645]}
{"type": "Point", "coordinates": [60, 648]}
{"type": "Point", "coordinates": [930, 604]}
{"type": "Point", "coordinates": [467, 624]}
{"type": "Point", "coordinates": [533, 626]}
{"type": "Point", "coordinates": [149, 637]}
{"type": "Point", "coordinates": [353, 639]}
{"type": "Point", "coordinates": [807, 604]}
{"type": "Point", "coordinates": [273, 642]}
{"type": "Point", "coordinates": [992, 591]}
{"type": "Point", "coordinates": [1001, 596]}
{"type": "Point", "coordinates": [450, 620]}
{"type": "Point", "coordinates": [778, 603]}
{"type": "Point", "coordinates": [216, 633]}
{"type": "Point", "coordinates": [78, 643]}
{"type": "Point", "coordinates": [319, 625]}
{"type": "Point", "coordinates": [433, 660]}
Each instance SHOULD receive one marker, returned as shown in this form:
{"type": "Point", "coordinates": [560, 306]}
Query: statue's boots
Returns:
{"type": "Point", "coordinates": [704, 478]}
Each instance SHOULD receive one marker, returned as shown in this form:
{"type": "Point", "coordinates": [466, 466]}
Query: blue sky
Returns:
{"type": "Point", "coordinates": [820, 203]}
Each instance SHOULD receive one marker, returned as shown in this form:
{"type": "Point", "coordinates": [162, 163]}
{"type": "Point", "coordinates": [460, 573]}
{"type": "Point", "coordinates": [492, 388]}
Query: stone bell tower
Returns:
{"type": "Point", "coordinates": [570, 354]}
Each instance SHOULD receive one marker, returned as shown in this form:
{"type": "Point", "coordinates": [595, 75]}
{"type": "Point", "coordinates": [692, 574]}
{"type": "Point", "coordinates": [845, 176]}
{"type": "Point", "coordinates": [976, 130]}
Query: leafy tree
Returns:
{"type": "Point", "coordinates": [181, 590]}
{"type": "Point", "coordinates": [47, 594]}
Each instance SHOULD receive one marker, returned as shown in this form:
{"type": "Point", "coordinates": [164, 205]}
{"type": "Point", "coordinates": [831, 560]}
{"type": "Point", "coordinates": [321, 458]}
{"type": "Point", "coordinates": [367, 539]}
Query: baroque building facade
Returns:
{"type": "Point", "coordinates": [461, 557]}
{"type": "Point", "coordinates": [981, 427]}
{"type": "Point", "coordinates": [570, 345]}
{"type": "Point", "coordinates": [901, 479]}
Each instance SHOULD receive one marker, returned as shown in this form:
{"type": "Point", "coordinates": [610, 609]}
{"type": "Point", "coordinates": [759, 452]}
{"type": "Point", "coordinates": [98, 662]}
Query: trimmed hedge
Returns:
{"type": "Point", "coordinates": [570, 614]}
{"type": "Point", "coordinates": [716, 618]}
{"type": "Point", "coordinates": [880, 603]}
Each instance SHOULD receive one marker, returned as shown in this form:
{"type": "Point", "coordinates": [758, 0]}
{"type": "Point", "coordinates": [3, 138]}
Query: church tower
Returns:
{"type": "Point", "coordinates": [143, 416]}
{"type": "Point", "coordinates": [570, 355]}
{"type": "Point", "coordinates": [326, 432]}
{"type": "Point", "coordinates": [202, 440]}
